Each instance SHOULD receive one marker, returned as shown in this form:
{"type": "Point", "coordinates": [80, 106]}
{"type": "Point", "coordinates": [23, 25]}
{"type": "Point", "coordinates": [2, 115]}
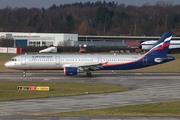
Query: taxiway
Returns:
{"type": "Point", "coordinates": [145, 88]}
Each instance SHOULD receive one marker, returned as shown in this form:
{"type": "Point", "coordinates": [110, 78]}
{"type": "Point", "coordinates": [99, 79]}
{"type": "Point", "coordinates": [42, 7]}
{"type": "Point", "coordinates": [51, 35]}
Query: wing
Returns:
{"type": "Point", "coordinates": [90, 67]}
{"type": "Point", "coordinates": [86, 66]}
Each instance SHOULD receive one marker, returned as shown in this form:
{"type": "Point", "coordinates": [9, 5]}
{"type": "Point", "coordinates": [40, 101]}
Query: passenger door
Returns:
{"type": "Point", "coordinates": [57, 60]}
{"type": "Point", "coordinates": [23, 60]}
{"type": "Point", "coordinates": [99, 60]}
{"type": "Point", "coordinates": [145, 60]}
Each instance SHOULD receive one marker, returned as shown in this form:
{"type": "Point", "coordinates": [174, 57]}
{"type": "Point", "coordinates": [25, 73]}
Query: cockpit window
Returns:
{"type": "Point", "coordinates": [13, 60]}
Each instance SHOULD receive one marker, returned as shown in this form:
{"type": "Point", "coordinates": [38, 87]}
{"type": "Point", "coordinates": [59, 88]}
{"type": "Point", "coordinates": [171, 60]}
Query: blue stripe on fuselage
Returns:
{"type": "Point", "coordinates": [142, 62]}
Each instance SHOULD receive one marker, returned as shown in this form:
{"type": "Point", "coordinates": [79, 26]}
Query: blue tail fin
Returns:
{"type": "Point", "coordinates": [162, 45]}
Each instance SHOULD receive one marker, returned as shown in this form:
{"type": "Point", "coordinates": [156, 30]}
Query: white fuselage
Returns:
{"type": "Point", "coordinates": [147, 45]}
{"type": "Point", "coordinates": [60, 61]}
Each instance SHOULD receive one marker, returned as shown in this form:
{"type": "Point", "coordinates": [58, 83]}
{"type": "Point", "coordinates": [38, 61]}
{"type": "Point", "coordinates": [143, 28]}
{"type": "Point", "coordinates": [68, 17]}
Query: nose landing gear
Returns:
{"type": "Point", "coordinates": [24, 73]}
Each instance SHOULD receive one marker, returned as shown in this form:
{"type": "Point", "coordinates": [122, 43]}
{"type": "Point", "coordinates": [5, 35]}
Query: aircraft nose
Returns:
{"type": "Point", "coordinates": [7, 64]}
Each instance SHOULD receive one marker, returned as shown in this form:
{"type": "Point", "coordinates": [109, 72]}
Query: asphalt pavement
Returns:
{"type": "Point", "coordinates": [145, 88]}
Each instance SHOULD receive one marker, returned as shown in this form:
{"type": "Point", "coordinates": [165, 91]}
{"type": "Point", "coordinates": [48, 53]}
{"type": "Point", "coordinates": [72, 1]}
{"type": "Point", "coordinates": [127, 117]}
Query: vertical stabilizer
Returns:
{"type": "Point", "coordinates": [161, 46]}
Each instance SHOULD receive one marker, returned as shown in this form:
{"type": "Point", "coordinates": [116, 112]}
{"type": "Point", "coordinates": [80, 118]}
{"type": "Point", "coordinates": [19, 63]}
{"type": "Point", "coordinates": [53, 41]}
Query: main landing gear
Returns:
{"type": "Point", "coordinates": [89, 74]}
{"type": "Point", "coordinates": [24, 73]}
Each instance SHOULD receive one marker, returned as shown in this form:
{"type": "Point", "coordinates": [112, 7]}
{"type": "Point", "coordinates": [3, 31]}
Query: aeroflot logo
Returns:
{"type": "Point", "coordinates": [41, 56]}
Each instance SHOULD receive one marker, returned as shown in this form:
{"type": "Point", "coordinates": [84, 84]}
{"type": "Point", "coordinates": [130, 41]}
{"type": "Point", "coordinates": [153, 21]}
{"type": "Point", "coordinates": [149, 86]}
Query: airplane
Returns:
{"type": "Point", "coordinates": [147, 45]}
{"type": "Point", "coordinates": [72, 64]}
{"type": "Point", "coordinates": [49, 49]}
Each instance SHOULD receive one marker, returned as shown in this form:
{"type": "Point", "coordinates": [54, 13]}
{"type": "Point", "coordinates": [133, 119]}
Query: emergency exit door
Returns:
{"type": "Point", "coordinates": [57, 60]}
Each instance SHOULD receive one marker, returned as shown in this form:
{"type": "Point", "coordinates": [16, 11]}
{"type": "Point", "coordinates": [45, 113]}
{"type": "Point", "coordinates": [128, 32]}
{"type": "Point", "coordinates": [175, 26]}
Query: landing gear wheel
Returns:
{"type": "Point", "coordinates": [24, 74]}
{"type": "Point", "coordinates": [89, 74]}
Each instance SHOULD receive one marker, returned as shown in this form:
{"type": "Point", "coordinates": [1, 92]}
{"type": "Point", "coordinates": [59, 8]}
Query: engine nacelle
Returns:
{"type": "Point", "coordinates": [70, 71]}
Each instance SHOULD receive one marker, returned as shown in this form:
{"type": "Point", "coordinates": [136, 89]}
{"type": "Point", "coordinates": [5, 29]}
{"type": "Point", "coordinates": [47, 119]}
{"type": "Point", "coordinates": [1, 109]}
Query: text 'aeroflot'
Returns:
{"type": "Point", "coordinates": [72, 64]}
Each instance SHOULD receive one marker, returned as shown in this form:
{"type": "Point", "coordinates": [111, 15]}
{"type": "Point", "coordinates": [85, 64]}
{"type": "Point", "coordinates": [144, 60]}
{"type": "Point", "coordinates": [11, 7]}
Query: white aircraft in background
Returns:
{"type": "Point", "coordinates": [72, 64]}
{"type": "Point", "coordinates": [147, 45]}
{"type": "Point", "coordinates": [49, 49]}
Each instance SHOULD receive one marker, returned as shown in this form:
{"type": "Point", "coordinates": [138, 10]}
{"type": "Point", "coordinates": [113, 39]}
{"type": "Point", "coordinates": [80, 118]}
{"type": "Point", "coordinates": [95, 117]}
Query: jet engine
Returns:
{"type": "Point", "coordinates": [69, 71]}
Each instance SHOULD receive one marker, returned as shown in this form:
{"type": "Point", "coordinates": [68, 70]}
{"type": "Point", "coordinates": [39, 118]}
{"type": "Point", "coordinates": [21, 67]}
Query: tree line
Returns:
{"type": "Point", "coordinates": [94, 18]}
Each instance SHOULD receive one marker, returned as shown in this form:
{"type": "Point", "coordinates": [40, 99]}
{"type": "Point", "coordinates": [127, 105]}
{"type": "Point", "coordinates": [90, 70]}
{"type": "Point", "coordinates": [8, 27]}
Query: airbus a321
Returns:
{"type": "Point", "coordinates": [72, 64]}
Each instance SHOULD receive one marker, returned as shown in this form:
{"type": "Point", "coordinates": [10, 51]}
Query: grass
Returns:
{"type": "Point", "coordinates": [153, 109]}
{"type": "Point", "coordinates": [8, 90]}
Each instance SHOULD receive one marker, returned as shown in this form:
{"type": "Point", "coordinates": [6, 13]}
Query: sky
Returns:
{"type": "Point", "coordinates": [47, 3]}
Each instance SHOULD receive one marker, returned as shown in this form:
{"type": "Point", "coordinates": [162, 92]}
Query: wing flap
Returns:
{"type": "Point", "coordinates": [90, 66]}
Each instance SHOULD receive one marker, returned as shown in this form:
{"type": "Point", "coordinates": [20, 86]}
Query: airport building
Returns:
{"type": "Point", "coordinates": [40, 39]}
{"type": "Point", "coordinates": [69, 39]}
{"type": "Point", "coordinates": [59, 39]}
